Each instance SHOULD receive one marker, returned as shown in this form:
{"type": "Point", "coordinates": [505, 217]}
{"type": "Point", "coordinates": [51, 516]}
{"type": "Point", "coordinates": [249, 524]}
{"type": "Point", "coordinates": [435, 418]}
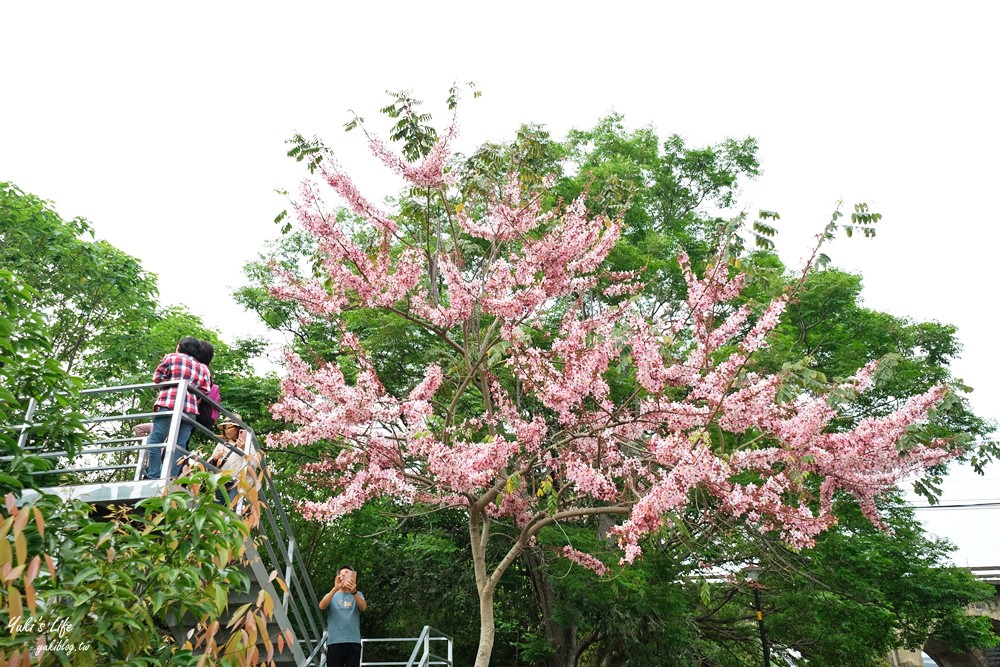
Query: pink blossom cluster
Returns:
{"type": "Point", "coordinates": [651, 369]}
{"type": "Point", "coordinates": [585, 560]}
{"type": "Point", "coordinates": [508, 217]}
{"type": "Point", "coordinates": [572, 370]}
{"type": "Point", "coordinates": [561, 261]}
{"type": "Point", "coordinates": [590, 481]}
{"type": "Point", "coordinates": [430, 173]}
{"type": "Point", "coordinates": [354, 273]}
{"type": "Point", "coordinates": [623, 283]}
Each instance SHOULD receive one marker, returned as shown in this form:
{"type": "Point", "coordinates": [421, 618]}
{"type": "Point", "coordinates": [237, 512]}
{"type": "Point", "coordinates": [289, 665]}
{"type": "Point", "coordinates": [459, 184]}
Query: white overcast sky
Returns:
{"type": "Point", "coordinates": [164, 125]}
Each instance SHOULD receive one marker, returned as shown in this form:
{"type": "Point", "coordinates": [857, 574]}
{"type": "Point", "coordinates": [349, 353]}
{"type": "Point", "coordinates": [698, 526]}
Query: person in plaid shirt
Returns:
{"type": "Point", "coordinates": [179, 365]}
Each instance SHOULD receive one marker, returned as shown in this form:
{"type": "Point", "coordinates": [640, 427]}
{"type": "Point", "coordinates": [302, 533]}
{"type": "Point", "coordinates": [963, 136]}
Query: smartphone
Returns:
{"type": "Point", "coordinates": [349, 579]}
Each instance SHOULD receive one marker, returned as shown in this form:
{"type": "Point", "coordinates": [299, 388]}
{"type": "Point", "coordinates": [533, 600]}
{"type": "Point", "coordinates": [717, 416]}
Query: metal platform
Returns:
{"type": "Point", "coordinates": [109, 470]}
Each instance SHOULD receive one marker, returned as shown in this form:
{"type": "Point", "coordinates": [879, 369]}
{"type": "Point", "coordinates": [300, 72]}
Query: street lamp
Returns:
{"type": "Point", "coordinates": [752, 573]}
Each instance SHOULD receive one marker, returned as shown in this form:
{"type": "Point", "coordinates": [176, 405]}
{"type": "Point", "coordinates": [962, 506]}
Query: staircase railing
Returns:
{"type": "Point", "coordinates": [989, 575]}
{"type": "Point", "coordinates": [420, 656]}
{"type": "Point", "coordinates": [109, 468]}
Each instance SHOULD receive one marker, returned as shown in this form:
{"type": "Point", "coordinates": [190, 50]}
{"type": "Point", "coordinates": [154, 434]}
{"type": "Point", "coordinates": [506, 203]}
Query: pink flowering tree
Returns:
{"type": "Point", "coordinates": [557, 395]}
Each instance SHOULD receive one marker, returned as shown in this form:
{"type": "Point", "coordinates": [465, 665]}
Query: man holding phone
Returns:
{"type": "Point", "coordinates": [343, 624]}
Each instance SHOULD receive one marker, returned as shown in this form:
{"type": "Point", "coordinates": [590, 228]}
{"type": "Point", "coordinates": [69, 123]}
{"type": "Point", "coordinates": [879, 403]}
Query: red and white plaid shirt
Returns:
{"type": "Point", "coordinates": [176, 366]}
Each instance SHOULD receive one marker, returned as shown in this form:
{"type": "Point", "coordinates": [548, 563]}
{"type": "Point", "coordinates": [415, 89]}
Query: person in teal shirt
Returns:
{"type": "Point", "coordinates": [343, 623]}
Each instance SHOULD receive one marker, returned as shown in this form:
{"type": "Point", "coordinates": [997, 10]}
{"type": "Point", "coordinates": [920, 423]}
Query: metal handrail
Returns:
{"type": "Point", "coordinates": [418, 657]}
{"type": "Point", "coordinates": [987, 575]}
{"type": "Point", "coordinates": [300, 605]}
{"type": "Point", "coordinates": [317, 654]}
{"type": "Point", "coordinates": [22, 437]}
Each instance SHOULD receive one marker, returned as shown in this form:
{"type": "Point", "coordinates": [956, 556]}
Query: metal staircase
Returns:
{"type": "Point", "coordinates": [300, 652]}
{"type": "Point", "coordinates": [109, 469]}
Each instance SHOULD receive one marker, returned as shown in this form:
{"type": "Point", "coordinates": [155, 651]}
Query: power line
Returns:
{"type": "Point", "coordinates": [958, 506]}
{"type": "Point", "coordinates": [954, 501]}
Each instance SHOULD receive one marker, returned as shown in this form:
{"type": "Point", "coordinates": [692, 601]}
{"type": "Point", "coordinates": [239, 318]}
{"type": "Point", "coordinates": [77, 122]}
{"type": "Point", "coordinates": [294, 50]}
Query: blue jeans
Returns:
{"type": "Point", "coordinates": [161, 428]}
{"type": "Point", "coordinates": [231, 492]}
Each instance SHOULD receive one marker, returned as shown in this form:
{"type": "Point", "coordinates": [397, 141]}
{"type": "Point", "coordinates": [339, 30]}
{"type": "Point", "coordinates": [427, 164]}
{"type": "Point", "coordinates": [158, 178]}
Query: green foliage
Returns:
{"type": "Point", "coordinates": [112, 581]}
{"type": "Point", "coordinates": [859, 593]}
{"type": "Point", "coordinates": [532, 154]}
{"type": "Point", "coordinates": [862, 592]}
{"type": "Point", "coordinates": [97, 305]}
{"type": "Point", "coordinates": [311, 151]}
{"type": "Point", "coordinates": [637, 616]}
{"type": "Point", "coordinates": [27, 370]}
{"type": "Point", "coordinates": [663, 186]}
{"type": "Point", "coordinates": [453, 93]}
{"type": "Point", "coordinates": [413, 127]}
{"type": "Point", "coordinates": [662, 189]}
{"type": "Point", "coordinates": [408, 576]}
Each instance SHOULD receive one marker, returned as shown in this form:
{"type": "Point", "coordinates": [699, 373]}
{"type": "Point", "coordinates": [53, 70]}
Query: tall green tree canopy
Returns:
{"type": "Point", "coordinates": [94, 296]}
{"type": "Point", "coordinates": [659, 189]}
{"type": "Point", "coordinates": [99, 308]}
{"type": "Point", "coordinates": [28, 371]}
{"type": "Point", "coordinates": [111, 583]}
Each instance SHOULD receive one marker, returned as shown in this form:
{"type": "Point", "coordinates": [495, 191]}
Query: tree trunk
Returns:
{"type": "Point", "coordinates": [479, 532]}
{"type": "Point", "coordinates": [487, 628]}
{"type": "Point", "coordinates": [609, 659]}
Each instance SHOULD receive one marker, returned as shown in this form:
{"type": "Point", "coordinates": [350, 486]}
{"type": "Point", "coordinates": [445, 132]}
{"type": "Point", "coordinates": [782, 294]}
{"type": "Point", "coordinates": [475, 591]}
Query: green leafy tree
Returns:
{"type": "Point", "coordinates": [862, 592]}
{"type": "Point", "coordinates": [661, 191]}
{"type": "Point", "coordinates": [92, 294]}
{"type": "Point", "coordinates": [30, 377]}
{"type": "Point", "coordinates": [851, 599]}
{"type": "Point", "coordinates": [99, 306]}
